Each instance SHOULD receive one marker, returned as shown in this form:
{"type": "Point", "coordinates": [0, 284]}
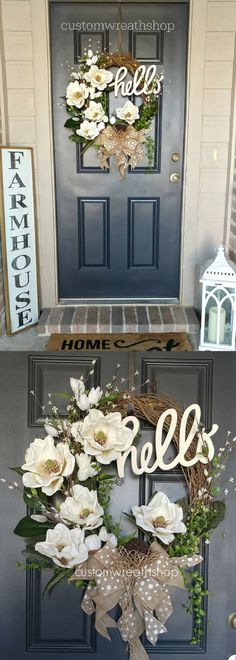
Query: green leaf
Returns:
{"type": "Point", "coordinates": [110, 397]}
{"type": "Point", "coordinates": [64, 395]}
{"type": "Point", "coordinates": [76, 138]}
{"type": "Point", "coordinates": [18, 470]}
{"type": "Point", "coordinates": [72, 123]}
{"type": "Point", "coordinates": [31, 553]}
{"type": "Point", "coordinates": [69, 109]}
{"type": "Point", "coordinates": [106, 477]}
{"type": "Point", "coordinates": [32, 502]}
{"type": "Point", "coordinates": [217, 509]}
{"type": "Point", "coordinates": [215, 491]}
{"type": "Point", "coordinates": [130, 517]}
{"type": "Point", "coordinates": [29, 528]}
{"type": "Point", "coordinates": [34, 539]}
{"type": "Point", "coordinates": [35, 499]}
{"type": "Point", "coordinates": [54, 580]}
{"type": "Point", "coordinates": [79, 584]}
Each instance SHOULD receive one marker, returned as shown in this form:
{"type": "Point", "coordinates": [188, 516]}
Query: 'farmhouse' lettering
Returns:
{"type": "Point", "coordinates": [20, 237]}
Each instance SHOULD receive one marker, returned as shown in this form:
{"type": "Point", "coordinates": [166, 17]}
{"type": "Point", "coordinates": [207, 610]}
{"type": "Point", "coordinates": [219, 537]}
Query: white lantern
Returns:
{"type": "Point", "coordinates": [218, 323]}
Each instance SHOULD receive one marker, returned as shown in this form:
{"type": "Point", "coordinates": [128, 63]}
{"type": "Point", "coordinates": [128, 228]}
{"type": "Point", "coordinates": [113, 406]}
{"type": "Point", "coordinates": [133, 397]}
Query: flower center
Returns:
{"type": "Point", "coordinates": [100, 438]}
{"type": "Point", "coordinates": [98, 77]}
{"type": "Point", "coordinates": [159, 522]}
{"type": "Point", "coordinates": [84, 513]}
{"type": "Point", "coordinates": [64, 561]}
{"type": "Point", "coordinates": [51, 466]}
{"type": "Point", "coordinates": [78, 95]}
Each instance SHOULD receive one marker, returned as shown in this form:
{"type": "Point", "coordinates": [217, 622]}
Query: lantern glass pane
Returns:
{"type": "Point", "coordinates": [219, 315]}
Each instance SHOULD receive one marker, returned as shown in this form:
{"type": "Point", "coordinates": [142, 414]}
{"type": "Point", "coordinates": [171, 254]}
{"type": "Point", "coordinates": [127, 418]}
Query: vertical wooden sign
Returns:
{"type": "Point", "coordinates": [19, 238]}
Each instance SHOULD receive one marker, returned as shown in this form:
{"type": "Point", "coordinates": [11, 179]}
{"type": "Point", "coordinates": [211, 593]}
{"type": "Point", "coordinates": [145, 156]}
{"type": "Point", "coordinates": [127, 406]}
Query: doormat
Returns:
{"type": "Point", "coordinates": [173, 341]}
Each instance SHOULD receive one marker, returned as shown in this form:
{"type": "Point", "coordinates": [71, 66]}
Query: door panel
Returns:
{"type": "Point", "coordinates": [114, 236]}
{"type": "Point", "coordinates": [56, 623]}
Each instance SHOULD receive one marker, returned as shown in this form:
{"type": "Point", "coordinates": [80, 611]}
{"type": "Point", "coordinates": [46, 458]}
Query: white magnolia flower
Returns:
{"type": "Point", "coordinates": [55, 430]}
{"type": "Point", "coordinates": [75, 431]}
{"type": "Point", "coordinates": [105, 536]}
{"type": "Point", "coordinates": [129, 112]}
{"type": "Point", "coordinates": [86, 401]}
{"type": "Point", "coordinates": [98, 78]}
{"type": "Point", "coordinates": [104, 436]}
{"type": "Point", "coordinates": [95, 112]}
{"type": "Point", "coordinates": [88, 130]}
{"type": "Point", "coordinates": [94, 396]}
{"type": "Point", "coordinates": [64, 546]}
{"type": "Point", "coordinates": [76, 94]}
{"type": "Point", "coordinates": [93, 542]}
{"type": "Point", "coordinates": [92, 59]}
{"type": "Point", "coordinates": [84, 464]}
{"type": "Point", "coordinates": [160, 517]}
{"type": "Point", "coordinates": [93, 93]}
{"type": "Point", "coordinates": [83, 402]}
{"type": "Point", "coordinates": [75, 75]}
{"type": "Point", "coordinates": [47, 465]}
{"type": "Point", "coordinates": [78, 387]}
{"type": "Point", "coordinates": [82, 508]}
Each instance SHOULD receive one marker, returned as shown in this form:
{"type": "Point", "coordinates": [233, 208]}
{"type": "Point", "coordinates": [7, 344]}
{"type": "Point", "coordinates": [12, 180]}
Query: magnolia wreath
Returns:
{"type": "Point", "coordinates": [124, 134]}
{"type": "Point", "coordinates": [68, 478]}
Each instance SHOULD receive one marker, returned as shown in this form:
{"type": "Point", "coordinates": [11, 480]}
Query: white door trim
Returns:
{"type": "Point", "coordinates": [193, 138]}
{"type": "Point", "coordinates": [45, 164]}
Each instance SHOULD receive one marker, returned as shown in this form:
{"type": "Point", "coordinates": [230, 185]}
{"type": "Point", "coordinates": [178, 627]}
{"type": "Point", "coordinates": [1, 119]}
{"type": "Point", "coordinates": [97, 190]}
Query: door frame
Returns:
{"type": "Point", "coordinates": [45, 158]}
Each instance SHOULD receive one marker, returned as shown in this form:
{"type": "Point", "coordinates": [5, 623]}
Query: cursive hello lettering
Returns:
{"type": "Point", "coordinates": [157, 451]}
{"type": "Point", "coordinates": [141, 82]}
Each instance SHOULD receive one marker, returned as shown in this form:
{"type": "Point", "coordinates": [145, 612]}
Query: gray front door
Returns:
{"type": "Point", "coordinates": [120, 239]}
{"type": "Point", "coordinates": [56, 625]}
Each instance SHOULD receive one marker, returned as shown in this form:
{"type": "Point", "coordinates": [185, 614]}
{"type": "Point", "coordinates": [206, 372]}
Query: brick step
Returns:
{"type": "Point", "coordinates": [118, 319]}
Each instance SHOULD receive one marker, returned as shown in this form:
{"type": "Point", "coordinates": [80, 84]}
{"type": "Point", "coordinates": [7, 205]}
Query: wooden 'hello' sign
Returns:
{"type": "Point", "coordinates": [141, 84]}
{"type": "Point", "coordinates": [152, 456]}
{"type": "Point", "coordinates": [19, 238]}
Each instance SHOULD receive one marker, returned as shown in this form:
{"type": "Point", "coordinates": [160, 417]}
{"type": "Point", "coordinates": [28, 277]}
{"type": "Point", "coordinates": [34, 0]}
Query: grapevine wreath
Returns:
{"type": "Point", "coordinates": [68, 478]}
{"type": "Point", "coordinates": [124, 134]}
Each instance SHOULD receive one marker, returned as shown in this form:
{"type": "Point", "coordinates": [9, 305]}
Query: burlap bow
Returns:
{"type": "Point", "coordinates": [139, 584]}
{"type": "Point", "coordinates": [124, 143]}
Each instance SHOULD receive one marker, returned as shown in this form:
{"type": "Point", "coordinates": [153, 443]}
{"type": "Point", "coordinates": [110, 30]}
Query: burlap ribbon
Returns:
{"type": "Point", "coordinates": [124, 143]}
{"type": "Point", "coordinates": [139, 584]}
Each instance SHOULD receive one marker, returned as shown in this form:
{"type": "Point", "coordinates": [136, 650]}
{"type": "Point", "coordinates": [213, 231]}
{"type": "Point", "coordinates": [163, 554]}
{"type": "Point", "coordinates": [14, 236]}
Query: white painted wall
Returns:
{"type": "Point", "coordinates": [2, 140]}
{"type": "Point", "coordinates": [233, 216]}
{"type": "Point", "coordinates": [25, 32]}
{"type": "Point", "coordinates": [215, 175]}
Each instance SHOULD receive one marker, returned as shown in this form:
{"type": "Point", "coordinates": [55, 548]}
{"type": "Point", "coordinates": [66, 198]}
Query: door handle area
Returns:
{"type": "Point", "coordinates": [175, 177]}
{"type": "Point", "coordinates": [232, 620]}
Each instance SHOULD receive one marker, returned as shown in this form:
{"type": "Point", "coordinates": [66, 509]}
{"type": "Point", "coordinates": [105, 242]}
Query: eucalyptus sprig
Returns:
{"type": "Point", "coordinates": [194, 583]}
{"type": "Point", "coordinates": [150, 147]}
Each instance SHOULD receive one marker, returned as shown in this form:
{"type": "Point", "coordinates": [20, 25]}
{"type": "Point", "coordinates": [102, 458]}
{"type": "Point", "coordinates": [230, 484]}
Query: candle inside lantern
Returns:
{"type": "Point", "coordinates": [214, 314]}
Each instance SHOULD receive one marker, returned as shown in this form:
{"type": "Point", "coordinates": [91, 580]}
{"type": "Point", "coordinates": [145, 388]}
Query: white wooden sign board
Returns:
{"type": "Point", "coordinates": [19, 238]}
